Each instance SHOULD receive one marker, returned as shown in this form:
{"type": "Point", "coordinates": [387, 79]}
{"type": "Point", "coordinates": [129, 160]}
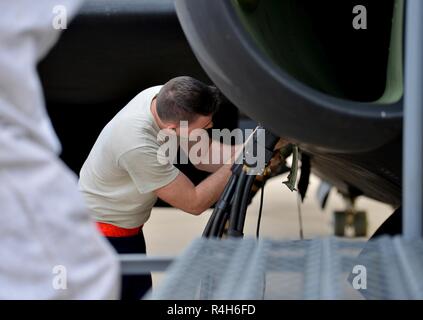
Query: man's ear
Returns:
{"type": "Point", "coordinates": [172, 126]}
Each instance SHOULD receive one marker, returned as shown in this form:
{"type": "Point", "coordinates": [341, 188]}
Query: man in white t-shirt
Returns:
{"type": "Point", "coordinates": [123, 175]}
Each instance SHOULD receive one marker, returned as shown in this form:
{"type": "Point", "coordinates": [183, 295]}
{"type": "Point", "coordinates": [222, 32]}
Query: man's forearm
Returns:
{"type": "Point", "coordinates": [209, 190]}
{"type": "Point", "coordinates": [218, 154]}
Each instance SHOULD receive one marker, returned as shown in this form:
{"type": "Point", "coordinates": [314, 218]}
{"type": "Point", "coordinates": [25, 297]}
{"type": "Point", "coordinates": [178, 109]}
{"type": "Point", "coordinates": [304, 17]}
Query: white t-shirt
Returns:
{"type": "Point", "coordinates": [122, 170]}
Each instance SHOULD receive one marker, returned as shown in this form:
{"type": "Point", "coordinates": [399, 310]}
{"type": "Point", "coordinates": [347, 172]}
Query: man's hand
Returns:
{"type": "Point", "coordinates": [217, 155]}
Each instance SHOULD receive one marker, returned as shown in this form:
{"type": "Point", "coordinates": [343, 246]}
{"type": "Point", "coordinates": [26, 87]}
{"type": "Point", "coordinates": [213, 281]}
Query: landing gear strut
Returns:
{"type": "Point", "coordinates": [350, 218]}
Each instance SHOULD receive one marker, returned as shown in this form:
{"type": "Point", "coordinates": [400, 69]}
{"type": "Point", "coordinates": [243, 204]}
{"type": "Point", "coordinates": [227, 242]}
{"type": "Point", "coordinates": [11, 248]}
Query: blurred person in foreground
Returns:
{"type": "Point", "coordinates": [46, 233]}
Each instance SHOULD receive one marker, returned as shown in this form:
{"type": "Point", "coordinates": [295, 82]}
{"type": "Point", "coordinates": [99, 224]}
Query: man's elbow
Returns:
{"type": "Point", "coordinates": [196, 209]}
{"type": "Point", "coordinates": [196, 204]}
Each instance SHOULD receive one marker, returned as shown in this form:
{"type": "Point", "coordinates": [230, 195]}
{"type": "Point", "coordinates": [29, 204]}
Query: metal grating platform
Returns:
{"type": "Point", "coordinates": [310, 269]}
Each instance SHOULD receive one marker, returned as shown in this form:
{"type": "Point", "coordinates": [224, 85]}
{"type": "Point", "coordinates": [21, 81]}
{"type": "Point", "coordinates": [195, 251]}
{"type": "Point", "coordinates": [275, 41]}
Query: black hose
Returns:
{"type": "Point", "coordinates": [216, 222]}
{"type": "Point", "coordinates": [244, 203]}
{"type": "Point", "coordinates": [260, 210]}
{"type": "Point", "coordinates": [223, 223]}
{"type": "Point", "coordinates": [236, 195]}
{"type": "Point", "coordinates": [239, 190]}
{"type": "Point", "coordinates": [222, 205]}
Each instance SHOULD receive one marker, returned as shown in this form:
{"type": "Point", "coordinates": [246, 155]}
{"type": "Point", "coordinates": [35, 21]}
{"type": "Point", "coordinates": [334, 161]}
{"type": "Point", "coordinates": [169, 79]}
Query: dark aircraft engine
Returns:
{"type": "Point", "coordinates": [325, 74]}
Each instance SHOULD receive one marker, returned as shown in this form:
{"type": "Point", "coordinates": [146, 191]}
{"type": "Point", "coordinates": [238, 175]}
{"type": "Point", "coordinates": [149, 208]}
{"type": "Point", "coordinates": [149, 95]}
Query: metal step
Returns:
{"type": "Point", "coordinates": [387, 268]}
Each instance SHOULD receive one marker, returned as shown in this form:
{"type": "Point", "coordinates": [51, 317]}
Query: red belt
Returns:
{"type": "Point", "coordinates": [110, 230]}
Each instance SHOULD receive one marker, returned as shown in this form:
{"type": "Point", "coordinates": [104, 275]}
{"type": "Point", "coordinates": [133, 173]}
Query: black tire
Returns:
{"type": "Point", "coordinates": [360, 224]}
{"type": "Point", "coordinates": [340, 222]}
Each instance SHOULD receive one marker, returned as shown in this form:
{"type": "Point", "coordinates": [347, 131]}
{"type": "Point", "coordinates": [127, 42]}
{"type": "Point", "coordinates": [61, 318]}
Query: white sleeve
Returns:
{"type": "Point", "coordinates": [146, 171]}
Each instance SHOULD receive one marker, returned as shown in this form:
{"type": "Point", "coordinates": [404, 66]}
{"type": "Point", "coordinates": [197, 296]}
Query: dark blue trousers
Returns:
{"type": "Point", "coordinates": [134, 286]}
